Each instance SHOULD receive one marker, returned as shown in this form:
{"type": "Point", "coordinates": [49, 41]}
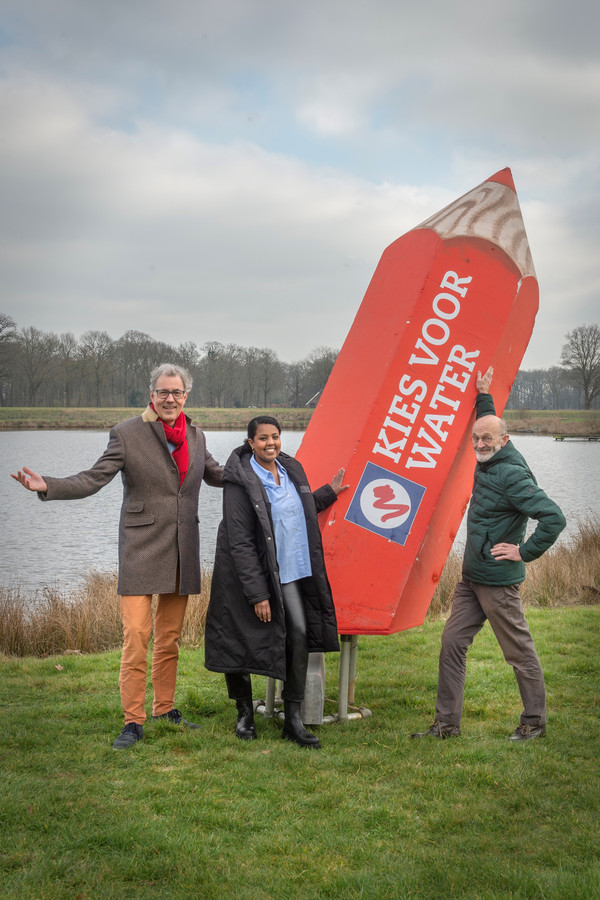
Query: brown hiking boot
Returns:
{"type": "Point", "coordinates": [528, 732]}
{"type": "Point", "coordinates": [438, 730]}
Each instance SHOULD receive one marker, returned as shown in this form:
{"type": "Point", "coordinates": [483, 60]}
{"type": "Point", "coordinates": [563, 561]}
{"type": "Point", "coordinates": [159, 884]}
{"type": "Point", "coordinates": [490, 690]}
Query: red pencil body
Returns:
{"type": "Point", "coordinates": [451, 297]}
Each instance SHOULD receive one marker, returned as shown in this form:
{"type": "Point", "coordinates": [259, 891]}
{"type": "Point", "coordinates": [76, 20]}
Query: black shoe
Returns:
{"type": "Point", "coordinates": [293, 727]}
{"type": "Point", "coordinates": [528, 732]}
{"type": "Point", "coordinates": [131, 734]}
{"type": "Point", "coordinates": [438, 730]}
{"type": "Point", "coordinates": [245, 728]}
{"type": "Point", "coordinates": [175, 718]}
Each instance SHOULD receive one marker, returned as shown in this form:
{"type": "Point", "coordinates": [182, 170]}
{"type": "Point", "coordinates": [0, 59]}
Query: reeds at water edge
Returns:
{"type": "Point", "coordinates": [83, 620]}
{"type": "Point", "coordinates": [87, 619]}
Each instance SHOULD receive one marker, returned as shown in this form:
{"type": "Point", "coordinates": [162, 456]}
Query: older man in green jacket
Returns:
{"type": "Point", "coordinates": [505, 495]}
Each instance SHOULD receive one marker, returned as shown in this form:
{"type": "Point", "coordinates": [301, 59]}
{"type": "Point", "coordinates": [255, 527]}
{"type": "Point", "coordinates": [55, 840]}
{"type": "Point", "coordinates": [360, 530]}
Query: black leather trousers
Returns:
{"type": "Point", "coordinates": [239, 686]}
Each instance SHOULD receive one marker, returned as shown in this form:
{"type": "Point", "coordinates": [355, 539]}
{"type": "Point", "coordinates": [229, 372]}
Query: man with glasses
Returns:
{"type": "Point", "coordinates": [505, 496]}
{"type": "Point", "coordinates": [163, 460]}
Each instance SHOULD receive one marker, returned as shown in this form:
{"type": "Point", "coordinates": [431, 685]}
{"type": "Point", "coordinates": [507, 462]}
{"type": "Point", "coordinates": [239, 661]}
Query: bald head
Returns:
{"type": "Point", "coordinates": [488, 436]}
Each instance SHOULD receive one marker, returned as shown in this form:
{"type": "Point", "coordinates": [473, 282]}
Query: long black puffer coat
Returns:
{"type": "Point", "coordinates": [246, 572]}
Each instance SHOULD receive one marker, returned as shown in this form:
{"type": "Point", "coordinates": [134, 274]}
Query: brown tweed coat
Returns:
{"type": "Point", "coordinates": [158, 529]}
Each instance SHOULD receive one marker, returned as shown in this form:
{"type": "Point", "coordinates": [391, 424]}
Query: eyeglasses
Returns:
{"type": "Point", "coordinates": [162, 393]}
{"type": "Point", "coordinates": [486, 439]}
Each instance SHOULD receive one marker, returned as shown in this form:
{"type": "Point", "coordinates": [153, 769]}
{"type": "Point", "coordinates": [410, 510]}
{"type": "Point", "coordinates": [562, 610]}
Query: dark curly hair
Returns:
{"type": "Point", "coordinates": [253, 428]}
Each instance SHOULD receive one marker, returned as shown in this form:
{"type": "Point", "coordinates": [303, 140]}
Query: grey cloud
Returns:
{"type": "Point", "coordinates": [227, 159]}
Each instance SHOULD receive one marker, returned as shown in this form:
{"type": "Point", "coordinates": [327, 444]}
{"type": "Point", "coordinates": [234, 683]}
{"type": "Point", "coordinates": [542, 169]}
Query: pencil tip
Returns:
{"type": "Point", "coordinates": [504, 176]}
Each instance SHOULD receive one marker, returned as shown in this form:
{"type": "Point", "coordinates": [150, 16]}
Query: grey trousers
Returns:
{"type": "Point", "coordinates": [472, 604]}
{"type": "Point", "coordinates": [239, 686]}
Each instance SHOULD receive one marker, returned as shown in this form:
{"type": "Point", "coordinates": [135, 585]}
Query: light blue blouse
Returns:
{"type": "Point", "coordinates": [291, 538]}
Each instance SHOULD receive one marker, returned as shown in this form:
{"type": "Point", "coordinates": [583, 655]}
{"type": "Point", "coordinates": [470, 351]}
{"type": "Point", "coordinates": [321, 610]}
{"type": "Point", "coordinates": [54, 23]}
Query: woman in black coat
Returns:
{"type": "Point", "coordinates": [270, 602]}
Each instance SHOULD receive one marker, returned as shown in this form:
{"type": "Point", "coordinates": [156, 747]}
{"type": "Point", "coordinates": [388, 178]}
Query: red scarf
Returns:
{"type": "Point", "coordinates": [177, 434]}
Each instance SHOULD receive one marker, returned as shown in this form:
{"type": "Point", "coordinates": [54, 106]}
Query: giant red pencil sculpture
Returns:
{"type": "Point", "coordinates": [451, 297]}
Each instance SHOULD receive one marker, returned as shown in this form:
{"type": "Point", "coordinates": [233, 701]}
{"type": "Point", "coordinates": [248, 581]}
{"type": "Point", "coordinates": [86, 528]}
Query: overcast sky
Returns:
{"type": "Point", "coordinates": [232, 170]}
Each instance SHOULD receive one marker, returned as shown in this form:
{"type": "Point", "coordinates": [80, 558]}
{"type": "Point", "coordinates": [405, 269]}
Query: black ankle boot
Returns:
{"type": "Point", "coordinates": [293, 728]}
{"type": "Point", "coordinates": [244, 728]}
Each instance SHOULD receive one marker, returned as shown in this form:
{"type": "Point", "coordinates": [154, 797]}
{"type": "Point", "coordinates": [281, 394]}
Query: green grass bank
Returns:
{"type": "Point", "coordinates": [373, 815]}
{"type": "Point", "coordinates": [209, 418]}
{"type": "Point", "coordinates": [567, 421]}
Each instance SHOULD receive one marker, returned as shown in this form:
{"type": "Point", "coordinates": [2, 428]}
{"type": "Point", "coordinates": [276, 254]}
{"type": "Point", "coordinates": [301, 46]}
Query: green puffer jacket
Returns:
{"type": "Point", "coordinates": [505, 495]}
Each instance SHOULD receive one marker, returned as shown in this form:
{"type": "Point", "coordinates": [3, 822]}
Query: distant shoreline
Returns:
{"type": "Point", "coordinates": [568, 422]}
{"type": "Point", "coordinates": [102, 419]}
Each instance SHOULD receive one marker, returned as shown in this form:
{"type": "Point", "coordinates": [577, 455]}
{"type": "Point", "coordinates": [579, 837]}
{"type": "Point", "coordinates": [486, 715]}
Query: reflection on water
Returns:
{"type": "Point", "coordinates": [57, 543]}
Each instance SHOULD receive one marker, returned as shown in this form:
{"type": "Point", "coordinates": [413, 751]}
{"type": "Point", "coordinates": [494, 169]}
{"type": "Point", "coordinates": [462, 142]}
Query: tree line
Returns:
{"type": "Point", "coordinates": [575, 384]}
{"type": "Point", "coordinates": [40, 368]}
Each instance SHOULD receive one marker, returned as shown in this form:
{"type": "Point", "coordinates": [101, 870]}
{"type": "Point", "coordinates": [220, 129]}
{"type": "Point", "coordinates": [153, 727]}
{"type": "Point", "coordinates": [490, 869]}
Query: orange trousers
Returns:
{"type": "Point", "coordinates": [136, 615]}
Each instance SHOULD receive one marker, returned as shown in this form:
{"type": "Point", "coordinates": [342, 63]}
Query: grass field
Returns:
{"type": "Point", "coordinates": [374, 814]}
{"type": "Point", "coordinates": [569, 421]}
{"type": "Point", "coordinates": [554, 421]}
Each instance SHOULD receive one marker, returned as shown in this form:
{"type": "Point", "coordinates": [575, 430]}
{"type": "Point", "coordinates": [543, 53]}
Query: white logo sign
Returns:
{"type": "Point", "coordinates": [385, 503]}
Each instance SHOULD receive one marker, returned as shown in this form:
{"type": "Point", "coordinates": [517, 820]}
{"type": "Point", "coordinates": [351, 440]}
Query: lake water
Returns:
{"type": "Point", "coordinates": [58, 543]}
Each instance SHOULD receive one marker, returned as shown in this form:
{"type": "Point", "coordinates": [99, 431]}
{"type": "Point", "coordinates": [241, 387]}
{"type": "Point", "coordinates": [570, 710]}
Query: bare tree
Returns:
{"type": "Point", "coordinates": [36, 359]}
{"type": "Point", "coordinates": [271, 371]}
{"type": "Point", "coordinates": [188, 355]}
{"type": "Point", "coordinates": [250, 375]}
{"type": "Point", "coordinates": [233, 390]}
{"type": "Point", "coordinates": [68, 365]}
{"type": "Point", "coordinates": [319, 364]}
{"type": "Point", "coordinates": [581, 358]}
{"type": "Point", "coordinates": [96, 348]}
{"type": "Point", "coordinates": [7, 328]}
{"type": "Point", "coordinates": [214, 371]}
{"type": "Point", "coordinates": [295, 377]}
{"type": "Point", "coordinates": [7, 336]}
{"type": "Point", "coordinates": [136, 354]}
{"type": "Point", "coordinates": [128, 366]}
{"type": "Point", "coordinates": [555, 379]}
{"type": "Point", "coordinates": [529, 390]}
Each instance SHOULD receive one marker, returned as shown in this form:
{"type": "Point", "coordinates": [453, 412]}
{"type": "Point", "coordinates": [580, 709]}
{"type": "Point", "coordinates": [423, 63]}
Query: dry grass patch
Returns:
{"type": "Point", "coordinates": [442, 597]}
{"type": "Point", "coordinates": [567, 575]}
{"type": "Point", "coordinates": [85, 620]}
{"type": "Point", "coordinates": [88, 620]}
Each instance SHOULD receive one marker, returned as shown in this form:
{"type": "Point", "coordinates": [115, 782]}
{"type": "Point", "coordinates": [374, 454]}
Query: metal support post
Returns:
{"type": "Point", "coordinates": [345, 641]}
{"type": "Point", "coordinates": [273, 698]}
{"type": "Point", "coordinates": [311, 711]}
{"type": "Point", "coordinates": [314, 699]}
{"type": "Point", "coordinates": [352, 668]}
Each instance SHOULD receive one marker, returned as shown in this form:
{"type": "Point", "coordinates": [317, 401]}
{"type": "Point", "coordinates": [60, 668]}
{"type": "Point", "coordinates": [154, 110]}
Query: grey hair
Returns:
{"type": "Point", "coordinates": [171, 371]}
{"type": "Point", "coordinates": [503, 427]}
